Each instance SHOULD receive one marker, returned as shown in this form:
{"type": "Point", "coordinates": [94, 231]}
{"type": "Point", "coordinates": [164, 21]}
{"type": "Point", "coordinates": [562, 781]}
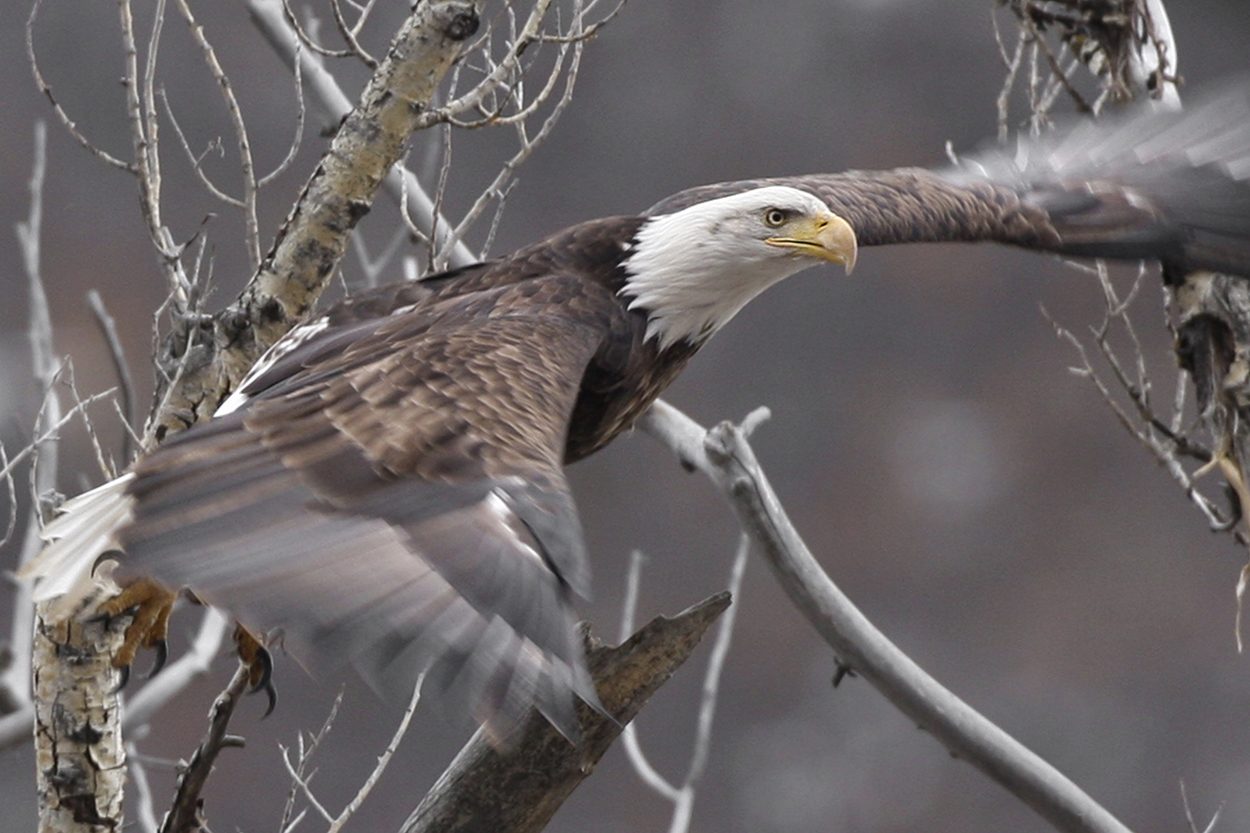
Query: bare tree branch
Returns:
{"type": "Point", "coordinates": [61, 115]}
{"type": "Point", "coordinates": [683, 796]}
{"type": "Point", "coordinates": [519, 790]}
{"type": "Point", "coordinates": [185, 816]}
{"type": "Point", "coordinates": [252, 228]}
{"type": "Point", "coordinates": [349, 34]}
{"type": "Point", "coordinates": [81, 759]}
{"type": "Point", "coordinates": [15, 681]}
{"type": "Point", "coordinates": [312, 241]}
{"type": "Point", "coordinates": [126, 385]}
{"type": "Point", "coordinates": [301, 774]}
{"type": "Point", "coordinates": [143, 798]}
{"type": "Point", "coordinates": [384, 760]}
{"type": "Point", "coordinates": [725, 457]}
{"type": "Point", "coordinates": [79, 756]}
{"type": "Point", "coordinates": [307, 40]}
{"type": "Point", "coordinates": [78, 750]}
{"type": "Point", "coordinates": [269, 18]}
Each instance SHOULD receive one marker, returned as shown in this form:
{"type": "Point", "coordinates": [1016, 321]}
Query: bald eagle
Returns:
{"type": "Point", "coordinates": [386, 487]}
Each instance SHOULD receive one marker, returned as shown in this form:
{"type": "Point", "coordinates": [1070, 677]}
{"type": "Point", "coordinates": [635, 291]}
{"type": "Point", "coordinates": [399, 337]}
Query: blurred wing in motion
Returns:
{"type": "Point", "coordinates": [393, 497]}
{"type": "Point", "coordinates": [1167, 186]}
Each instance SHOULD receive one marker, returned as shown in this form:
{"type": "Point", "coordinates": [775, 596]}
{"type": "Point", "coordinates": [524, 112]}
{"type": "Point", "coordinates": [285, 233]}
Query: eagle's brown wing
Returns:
{"type": "Point", "coordinates": [1171, 186]}
{"type": "Point", "coordinates": [399, 500]}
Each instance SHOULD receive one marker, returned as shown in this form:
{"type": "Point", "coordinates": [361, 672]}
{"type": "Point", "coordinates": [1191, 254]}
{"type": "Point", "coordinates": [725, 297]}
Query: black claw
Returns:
{"type": "Point", "coordinates": [1235, 509]}
{"type": "Point", "coordinates": [272, 694]}
{"type": "Point", "coordinates": [265, 661]}
{"type": "Point", "coordinates": [158, 662]}
{"type": "Point", "coordinates": [107, 619]}
{"type": "Point", "coordinates": [123, 677]}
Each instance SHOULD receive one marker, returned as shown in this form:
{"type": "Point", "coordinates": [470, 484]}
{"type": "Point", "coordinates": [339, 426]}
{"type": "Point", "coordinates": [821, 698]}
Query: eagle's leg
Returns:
{"type": "Point", "coordinates": [256, 657]}
{"type": "Point", "coordinates": [149, 605]}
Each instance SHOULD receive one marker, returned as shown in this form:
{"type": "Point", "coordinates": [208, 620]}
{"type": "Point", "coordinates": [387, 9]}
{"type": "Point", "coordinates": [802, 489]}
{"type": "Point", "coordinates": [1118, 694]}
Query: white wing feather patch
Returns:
{"type": "Point", "coordinates": [282, 347]}
{"type": "Point", "coordinates": [507, 520]}
{"type": "Point", "coordinates": [86, 529]}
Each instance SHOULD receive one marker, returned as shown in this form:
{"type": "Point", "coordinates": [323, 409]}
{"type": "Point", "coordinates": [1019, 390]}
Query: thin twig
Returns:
{"type": "Point", "coordinates": [146, 163]}
{"type": "Point", "coordinates": [349, 35]}
{"type": "Point", "coordinates": [11, 520]}
{"type": "Point", "coordinates": [1189, 816]}
{"type": "Point", "coordinates": [105, 464]}
{"type": "Point", "coordinates": [306, 754]}
{"type": "Point", "coordinates": [633, 749]}
{"type": "Point", "coordinates": [51, 432]}
{"type": "Point", "coordinates": [1013, 68]}
{"type": "Point", "coordinates": [1162, 453]}
{"type": "Point", "coordinates": [497, 78]}
{"type": "Point", "coordinates": [384, 760]}
{"type": "Point", "coordinates": [144, 124]}
{"type": "Point", "coordinates": [444, 170]}
{"type": "Point", "coordinates": [297, 134]}
{"type": "Point", "coordinates": [528, 145]}
{"type": "Point", "coordinates": [126, 385]}
{"type": "Point", "coordinates": [61, 115]}
{"type": "Point", "coordinates": [143, 799]}
{"type": "Point", "coordinates": [307, 39]}
{"type": "Point", "coordinates": [45, 366]}
{"type": "Point", "coordinates": [683, 796]}
{"type": "Point", "coordinates": [373, 268]}
{"type": "Point", "coordinates": [715, 668]}
{"type": "Point", "coordinates": [197, 161]}
{"type": "Point", "coordinates": [251, 224]}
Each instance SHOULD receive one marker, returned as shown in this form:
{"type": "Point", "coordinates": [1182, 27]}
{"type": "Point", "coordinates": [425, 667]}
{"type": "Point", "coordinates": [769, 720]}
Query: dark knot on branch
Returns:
{"type": "Point", "coordinates": [458, 21]}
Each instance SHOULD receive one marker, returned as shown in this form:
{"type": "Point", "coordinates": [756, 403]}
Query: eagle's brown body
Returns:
{"type": "Point", "coordinates": [387, 487]}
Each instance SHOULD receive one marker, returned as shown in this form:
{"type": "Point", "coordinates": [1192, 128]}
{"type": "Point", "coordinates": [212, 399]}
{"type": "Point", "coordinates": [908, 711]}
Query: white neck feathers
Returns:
{"type": "Point", "coordinates": [693, 270]}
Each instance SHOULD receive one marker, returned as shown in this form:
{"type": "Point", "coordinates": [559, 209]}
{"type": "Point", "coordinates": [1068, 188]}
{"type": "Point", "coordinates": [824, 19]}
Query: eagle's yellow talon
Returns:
{"type": "Point", "coordinates": [149, 605]}
{"type": "Point", "coordinates": [259, 662]}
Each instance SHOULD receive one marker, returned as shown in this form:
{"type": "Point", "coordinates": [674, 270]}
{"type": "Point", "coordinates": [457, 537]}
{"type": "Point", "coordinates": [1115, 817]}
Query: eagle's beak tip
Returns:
{"type": "Point", "coordinates": [838, 239]}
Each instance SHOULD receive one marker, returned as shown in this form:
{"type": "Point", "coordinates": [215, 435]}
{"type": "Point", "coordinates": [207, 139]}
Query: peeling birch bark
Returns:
{"type": "Point", "coordinates": [79, 757]}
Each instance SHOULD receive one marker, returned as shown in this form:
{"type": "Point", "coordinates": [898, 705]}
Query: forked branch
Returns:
{"type": "Point", "coordinates": [724, 455]}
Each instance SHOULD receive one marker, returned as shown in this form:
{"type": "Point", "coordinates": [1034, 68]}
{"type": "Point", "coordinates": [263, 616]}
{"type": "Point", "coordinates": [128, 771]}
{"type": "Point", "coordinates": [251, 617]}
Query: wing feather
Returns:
{"type": "Point", "coordinates": [1171, 186]}
{"type": "Point", "coordinates": [396, 499]}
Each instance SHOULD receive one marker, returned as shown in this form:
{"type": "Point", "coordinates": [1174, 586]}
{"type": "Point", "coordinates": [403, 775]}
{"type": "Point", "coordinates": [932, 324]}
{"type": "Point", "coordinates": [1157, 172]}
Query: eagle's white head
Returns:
{"type": "Point", "coordinates": [692, 270]}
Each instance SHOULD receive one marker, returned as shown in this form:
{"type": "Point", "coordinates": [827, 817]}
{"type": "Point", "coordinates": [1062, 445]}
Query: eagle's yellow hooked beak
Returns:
{"type": "Point", "coordinates": [824, 235]}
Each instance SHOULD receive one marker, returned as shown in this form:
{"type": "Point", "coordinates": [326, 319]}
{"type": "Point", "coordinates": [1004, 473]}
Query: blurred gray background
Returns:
{"type": "Point", "coordinates": [976, 499]}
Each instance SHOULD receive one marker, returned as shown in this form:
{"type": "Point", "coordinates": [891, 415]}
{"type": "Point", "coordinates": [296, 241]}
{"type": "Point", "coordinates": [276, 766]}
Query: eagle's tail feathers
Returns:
{"type": "Point", "coordinates": [87, 527]}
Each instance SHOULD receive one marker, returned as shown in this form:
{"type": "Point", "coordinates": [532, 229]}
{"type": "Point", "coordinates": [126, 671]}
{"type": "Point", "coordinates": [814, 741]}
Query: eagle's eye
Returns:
{"type": "Point", "coordinates": [775, 217]}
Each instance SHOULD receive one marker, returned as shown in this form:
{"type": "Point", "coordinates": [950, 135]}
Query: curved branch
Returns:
{"type": "Point", "coordinates": [725, 457]}
{"type": "Point", "coordinates": [498, 77]}
{"type": "Point", "coordinates": [61, 115]}
{"type": "Point", "coordinates": [306, 39]}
